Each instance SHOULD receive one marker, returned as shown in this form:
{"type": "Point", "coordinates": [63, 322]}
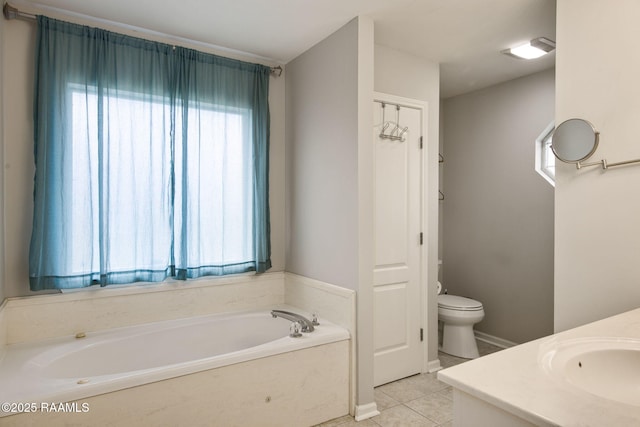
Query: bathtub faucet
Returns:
{"type": "Point", "coordinates": [307, 325]}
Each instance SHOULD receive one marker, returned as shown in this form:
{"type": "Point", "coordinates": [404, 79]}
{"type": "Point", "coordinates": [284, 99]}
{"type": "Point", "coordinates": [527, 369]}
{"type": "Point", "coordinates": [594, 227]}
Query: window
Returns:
{"type": "Point", "coordinates": [151, 162]}
{"type": "Point", "coordinates": [545, 163]}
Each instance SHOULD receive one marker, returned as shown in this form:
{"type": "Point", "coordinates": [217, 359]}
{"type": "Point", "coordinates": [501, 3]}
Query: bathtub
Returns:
{"type": "Point", "coordinates": [228, 369]}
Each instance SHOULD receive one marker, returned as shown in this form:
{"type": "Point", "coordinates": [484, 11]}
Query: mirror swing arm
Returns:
{"type": "Point", "coordinates": [576, 140]}
{"type": "Point", "coordinates": [606, 165]}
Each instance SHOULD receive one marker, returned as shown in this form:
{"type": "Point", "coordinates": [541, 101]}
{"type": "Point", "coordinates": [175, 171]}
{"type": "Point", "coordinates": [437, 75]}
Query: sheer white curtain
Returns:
{"type": "Point", "coordinates": [151, 161]}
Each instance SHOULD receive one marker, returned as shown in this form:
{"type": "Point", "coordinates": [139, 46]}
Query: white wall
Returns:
{"type": "Point", "coordinates": [401, 74]}
{"type": "Point", "coordinates": [498, 211]}
{"type": "Point", "coordinates": [329, 174]}
{"type": "Point", "coordinates": [19, 42]}
{"type": "Point", "coordinates": [597, 218]}
{"type": "Point", "coordinates": [365, 397]}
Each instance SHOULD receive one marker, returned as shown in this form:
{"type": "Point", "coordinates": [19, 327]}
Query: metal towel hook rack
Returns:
{"type": "Point", "coordinates": [396, 133]}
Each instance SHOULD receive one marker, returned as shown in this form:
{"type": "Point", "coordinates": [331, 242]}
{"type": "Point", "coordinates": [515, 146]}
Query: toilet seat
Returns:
{"type": "Point", "coordinates": [458, 303]}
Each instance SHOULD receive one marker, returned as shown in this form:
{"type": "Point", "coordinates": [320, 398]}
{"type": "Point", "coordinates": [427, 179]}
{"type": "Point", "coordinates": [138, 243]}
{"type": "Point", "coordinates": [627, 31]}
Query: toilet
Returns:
{"type": "Point", "coordinates": [458, 315]}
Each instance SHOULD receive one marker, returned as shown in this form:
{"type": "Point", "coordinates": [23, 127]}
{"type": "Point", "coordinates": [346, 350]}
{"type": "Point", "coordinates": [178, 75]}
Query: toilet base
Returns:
{"type": "Point", "coordinates": [459, 340]}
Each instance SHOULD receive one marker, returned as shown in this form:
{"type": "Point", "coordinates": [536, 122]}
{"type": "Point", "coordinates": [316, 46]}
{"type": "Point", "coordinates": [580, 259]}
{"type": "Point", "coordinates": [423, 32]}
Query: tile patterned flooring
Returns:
{"type": "Point", "coordinates": [417, 401]}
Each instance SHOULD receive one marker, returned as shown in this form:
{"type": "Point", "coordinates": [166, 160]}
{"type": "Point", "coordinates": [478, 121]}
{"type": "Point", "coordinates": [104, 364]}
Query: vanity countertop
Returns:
{"type": "Point", "coordinates": [516, 381]}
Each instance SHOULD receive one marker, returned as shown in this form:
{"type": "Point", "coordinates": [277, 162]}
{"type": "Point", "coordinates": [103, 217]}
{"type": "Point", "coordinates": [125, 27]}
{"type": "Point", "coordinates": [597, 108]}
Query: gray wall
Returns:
{"type": "Point", "coordinates": [322, 160]}
{"type": "Point", "coordinates": [329, 175]}
{"type": "Point", "coordinates": [498, 212]}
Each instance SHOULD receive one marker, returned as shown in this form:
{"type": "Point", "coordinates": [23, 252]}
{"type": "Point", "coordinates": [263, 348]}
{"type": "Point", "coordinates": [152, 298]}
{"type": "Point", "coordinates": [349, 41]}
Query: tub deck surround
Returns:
{"type": "Point", "coordinates": [515, 384]}
{"type": "Point", "coordinates": [35, 318]}
{"type": "Point", "coordinates": [39, 317]}
{"type": "Point", "coordinates": [29, 324]}
{"type": "Point", "coordinates": [108, 362]}
{"type": "Point", "coordinates": [333, 302]}
{"type": "Point", "coordinates": [299, 388]}
{"type": "Point", "coordinates": [330, 301]}
{"type": "Point", "coordinates": [69, 368]}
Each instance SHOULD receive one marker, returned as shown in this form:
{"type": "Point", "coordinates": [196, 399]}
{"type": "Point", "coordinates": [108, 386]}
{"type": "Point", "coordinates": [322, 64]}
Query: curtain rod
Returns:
{"type": "Point", "coordinates": [11, 12]}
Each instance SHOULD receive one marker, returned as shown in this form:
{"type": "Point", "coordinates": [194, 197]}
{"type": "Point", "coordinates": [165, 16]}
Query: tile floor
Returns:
{"type": "Point", "coordinates": [418, 401]}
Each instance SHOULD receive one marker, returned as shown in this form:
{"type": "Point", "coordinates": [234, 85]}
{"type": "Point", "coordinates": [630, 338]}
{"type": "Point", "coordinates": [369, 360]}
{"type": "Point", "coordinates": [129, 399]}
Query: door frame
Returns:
{"type": "Point", "coordinates": [429, 254]}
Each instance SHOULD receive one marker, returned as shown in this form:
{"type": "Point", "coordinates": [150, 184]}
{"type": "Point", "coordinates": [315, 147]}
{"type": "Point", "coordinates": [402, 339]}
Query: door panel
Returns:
{"type": "Point", "coordinates": [396, 287]}
{"type": "Point", "coordinates": [387, 298]}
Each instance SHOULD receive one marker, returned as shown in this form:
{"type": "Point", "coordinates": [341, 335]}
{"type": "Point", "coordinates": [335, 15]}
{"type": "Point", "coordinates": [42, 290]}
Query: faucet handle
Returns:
{"type": "Point", "coordinates": [314, 319]}
{"type": "Point", "coordinates": [294, 330]}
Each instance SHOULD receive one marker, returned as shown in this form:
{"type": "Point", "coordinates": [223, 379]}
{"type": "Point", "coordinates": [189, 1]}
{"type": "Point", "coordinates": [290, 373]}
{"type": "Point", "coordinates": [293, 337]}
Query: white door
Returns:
{"type": "Point", "coordinates": [396, 276]}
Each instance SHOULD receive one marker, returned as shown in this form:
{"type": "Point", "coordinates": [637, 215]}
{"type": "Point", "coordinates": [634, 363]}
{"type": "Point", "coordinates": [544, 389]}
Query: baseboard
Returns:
{"type": "Point", "coordinates": [433, 366]}
{"type": "Point", "coordinates": [364, 412]}
{"type": "Point", "coordinates": [498, 342]}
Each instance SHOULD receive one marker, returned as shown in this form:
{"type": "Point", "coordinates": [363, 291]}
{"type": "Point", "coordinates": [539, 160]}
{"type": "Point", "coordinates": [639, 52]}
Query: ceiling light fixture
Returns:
{"type": "Point", "coordinates": [533, 49]}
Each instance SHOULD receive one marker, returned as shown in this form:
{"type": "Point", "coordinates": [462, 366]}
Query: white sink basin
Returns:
{"type": "Point", "coordinates": [604, 367]}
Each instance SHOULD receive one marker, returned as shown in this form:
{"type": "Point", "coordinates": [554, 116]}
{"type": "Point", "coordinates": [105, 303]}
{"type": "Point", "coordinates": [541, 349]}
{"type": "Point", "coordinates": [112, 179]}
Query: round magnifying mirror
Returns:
{"type": "Point", "coordinates": [574, 140]}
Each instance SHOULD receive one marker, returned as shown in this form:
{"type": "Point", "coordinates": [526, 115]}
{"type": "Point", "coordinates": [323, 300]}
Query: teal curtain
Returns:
{"type": "Point", "coordinates": [151, 161]}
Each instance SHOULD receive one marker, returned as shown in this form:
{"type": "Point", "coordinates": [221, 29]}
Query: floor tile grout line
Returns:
{"type": "Point", "coordinates": [426, 416]}
{"type": "Point", "coordinates": [423, 416]}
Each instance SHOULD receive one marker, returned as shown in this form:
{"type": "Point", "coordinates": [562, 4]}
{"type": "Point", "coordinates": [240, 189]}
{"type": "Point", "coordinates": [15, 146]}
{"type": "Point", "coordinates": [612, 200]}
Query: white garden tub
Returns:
{"type": "Point", "coordinates": [71, 369]}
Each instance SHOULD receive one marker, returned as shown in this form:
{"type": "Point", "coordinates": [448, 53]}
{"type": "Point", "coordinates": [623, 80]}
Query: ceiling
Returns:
{"type": "Point", "coordinates": [464, 36]}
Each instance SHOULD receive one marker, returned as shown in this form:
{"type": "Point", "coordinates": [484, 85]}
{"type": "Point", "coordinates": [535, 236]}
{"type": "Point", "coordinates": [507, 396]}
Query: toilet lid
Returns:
{"type": "Point", "coordinates": [454, 302]}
